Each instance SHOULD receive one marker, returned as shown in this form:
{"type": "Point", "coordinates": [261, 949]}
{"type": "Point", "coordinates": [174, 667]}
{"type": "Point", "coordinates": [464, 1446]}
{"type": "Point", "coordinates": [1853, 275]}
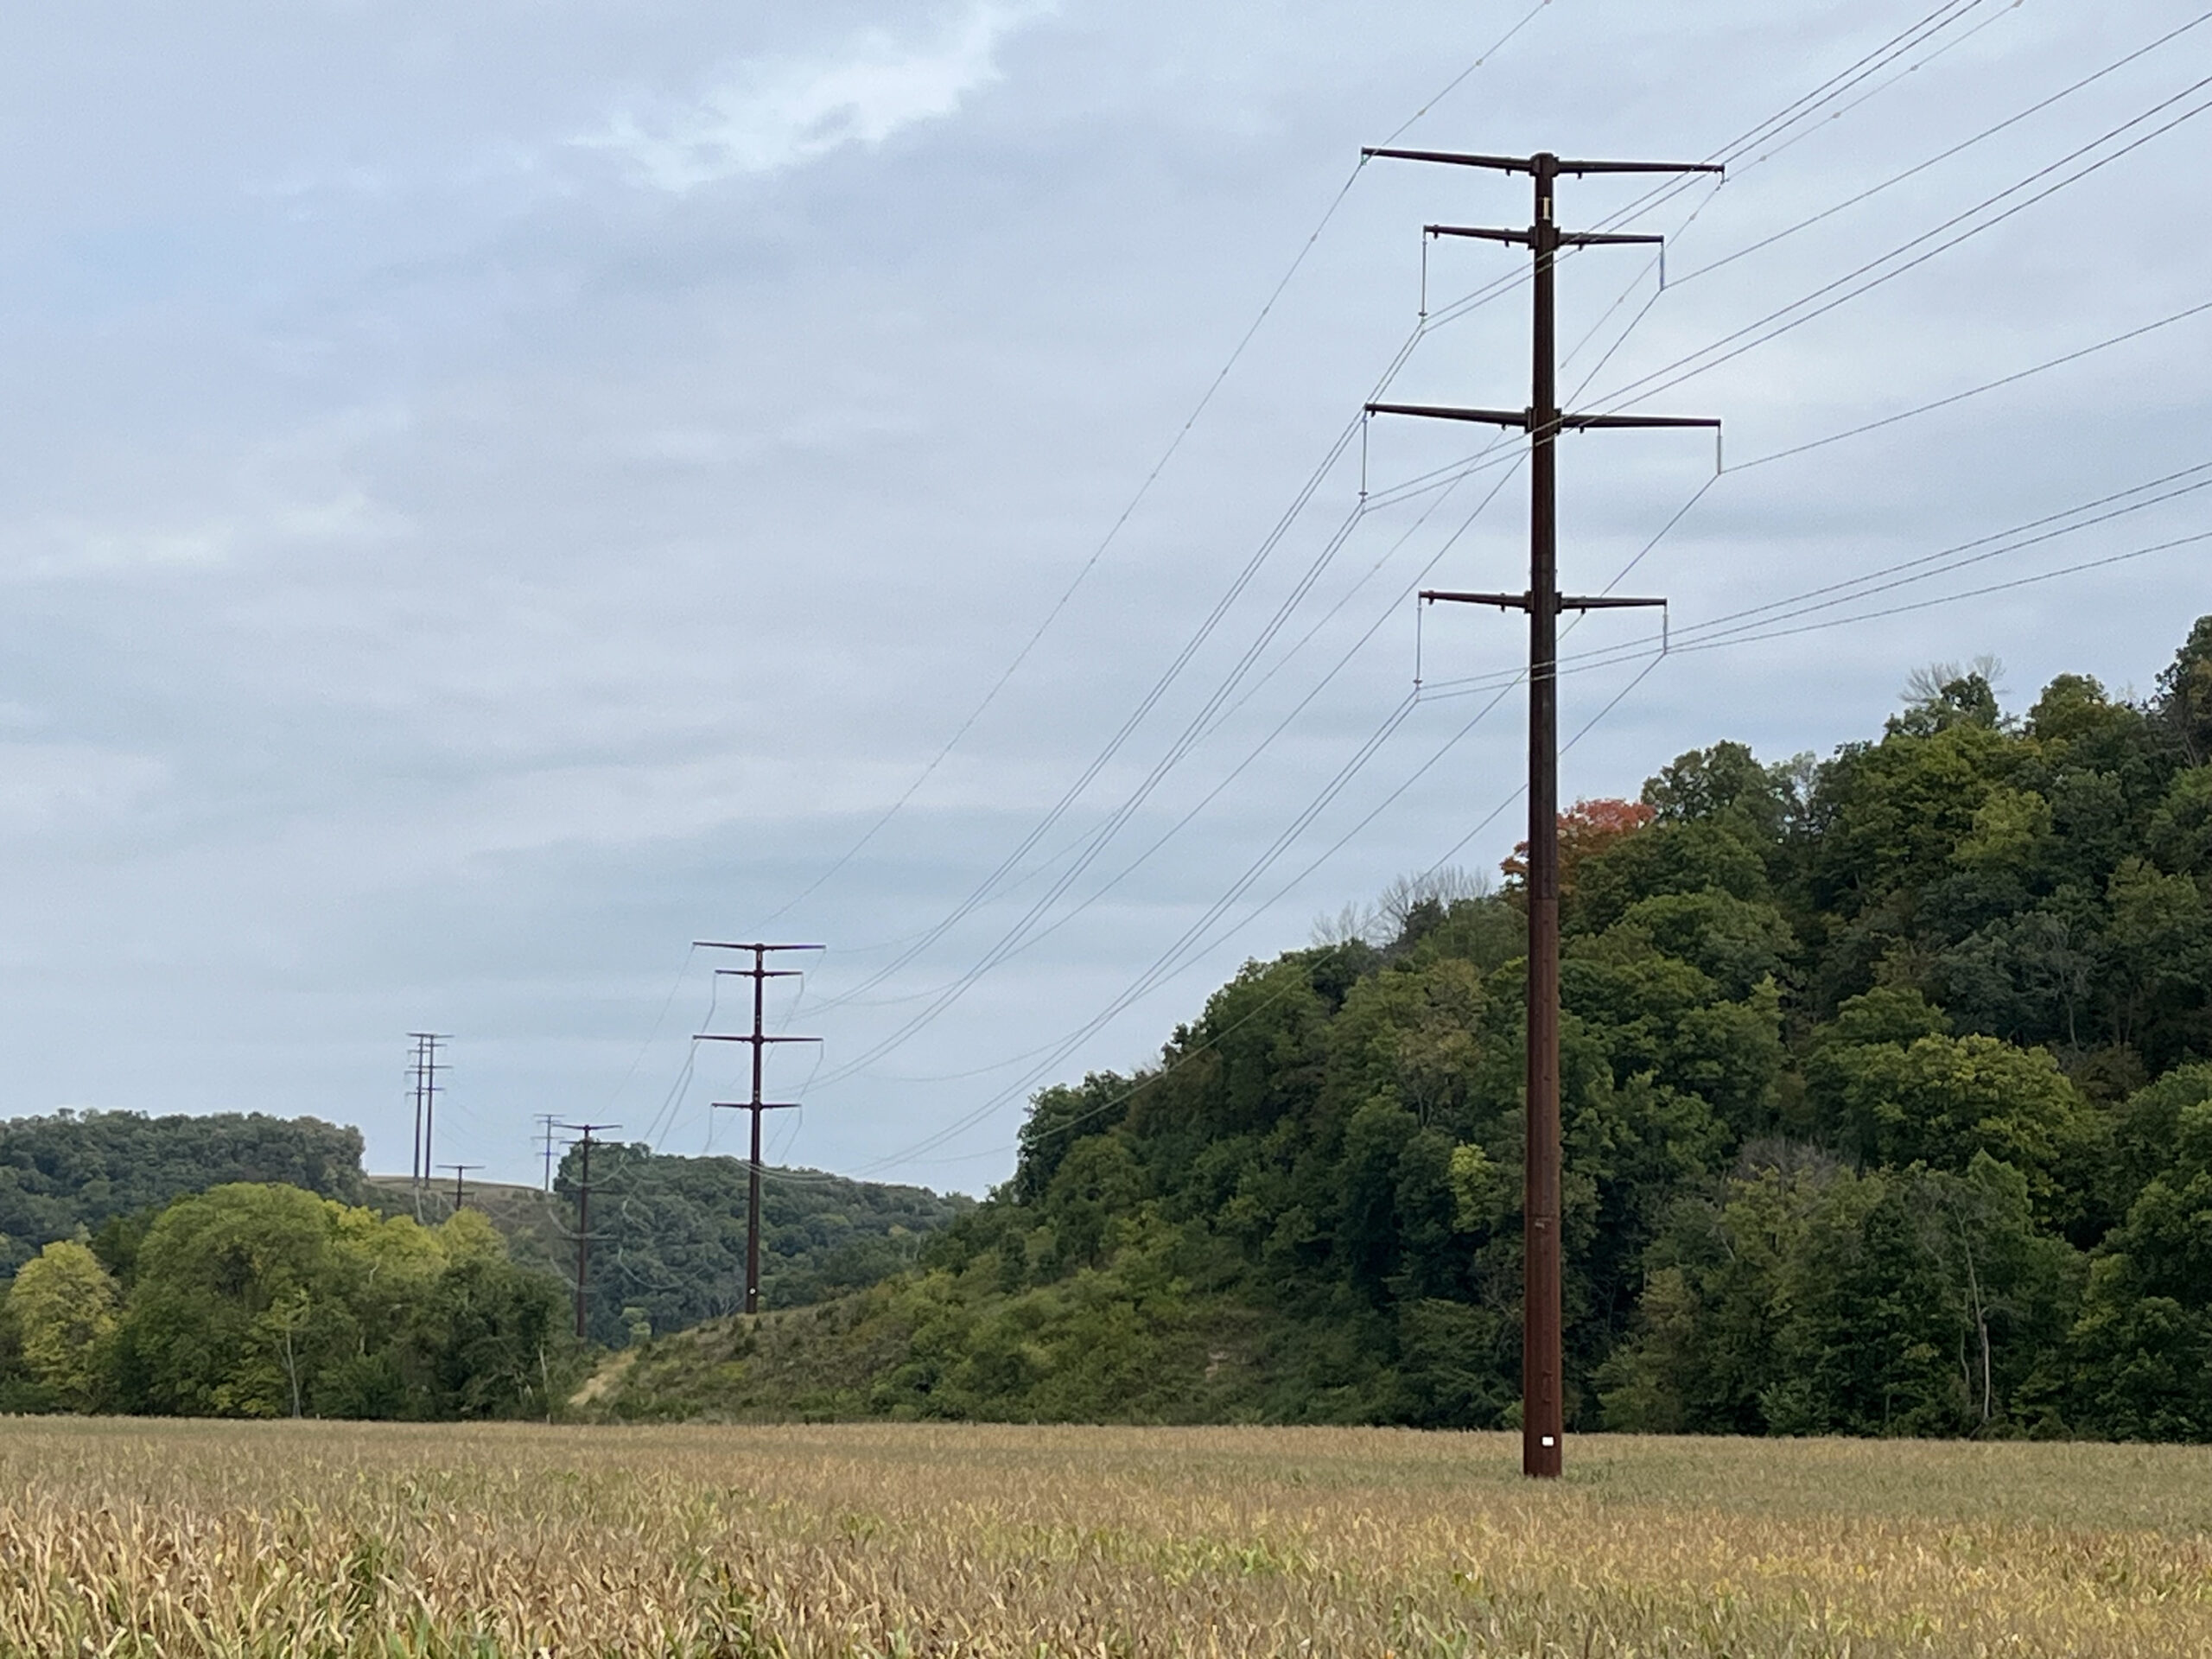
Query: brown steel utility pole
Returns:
{"type": "Point", "coordinates": [458, 1169]}
{"type": "Point", "coordinates": [1542, 1409]}
{"type": "Point", "coordinates": [584, 1132]}
{"type": "Point", "coordinates": [760, 973]}
{"type": "Point", "coordinates": [425, 1069]}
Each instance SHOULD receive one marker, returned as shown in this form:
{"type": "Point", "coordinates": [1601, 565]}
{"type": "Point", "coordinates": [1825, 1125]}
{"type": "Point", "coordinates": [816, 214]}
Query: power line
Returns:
{"type": "Point", "coordinates": [1167, 962]}
{"type": "Point", "coordinates": [1941, 156]}
{"type": "Point", "coordinates": [1343, 661]}
{"type": "Point", "coordinates": [1012, 940]}
{"type": "Point", "coordinates": [1506, 682]}
{"type": "Point", "coordinates": [1453, 473]}
{"type": "Point", "coordinates": [2101, 563]}
{"type": "Point", "coordinates": [1943, 561]}
{"type": "Point", "coordinates": [2074, 356]}
{"type": "Point", "coordinates": [1499, 685]}
{"type": "Point", "coordinates": [1941, 18]}
{"type": "Point", "coordinates": [1144, 489]}
{"type": "Point", "coordinates": [1023, 938]}
{"type": "Point", "coordinates": [1129, 727]}
{"type": "Point", "coordinates": [1734, 344]}
{"type": "Point", "coordinates": [1190, 945]}
{"type": "Point", "coordinates": [1795, 114]}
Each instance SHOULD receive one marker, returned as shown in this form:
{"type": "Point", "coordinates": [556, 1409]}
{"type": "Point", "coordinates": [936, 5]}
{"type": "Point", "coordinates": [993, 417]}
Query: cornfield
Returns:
{"type": "Point", "coordinates": [184, 1538]}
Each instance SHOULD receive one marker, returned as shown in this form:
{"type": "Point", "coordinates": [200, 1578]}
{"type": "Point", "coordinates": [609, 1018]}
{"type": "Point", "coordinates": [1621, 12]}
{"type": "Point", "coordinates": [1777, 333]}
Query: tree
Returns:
{"type": "Point", "coordinates": [2158, 941]}
{"type": "Point", "coordinates": [1944, 695]}
{"type": "Point", "coordinates": [63, 1305]}
{"type": "Point", "coordinates": [2185, 699]}
{"type": "Point", "coordinates": [74, 1173]}
{"type": "Point", "coordinates": [1059, 1118]}
{"type": "Point", "coordinates": [673, 1228]}
{"type": "Point", "coordinates": [1940, 1101]}
{"type": "Point", "coordinates": [260, 1300]}
{"type": "Point", "coordinates": [2142, 1353]}
{"type": "Point", "coordinates": [232, 1285]}
{"type": "Point", "coordinates": [1809, 1299]}
{"type": "Point", "coordinates": [1586, 830]}
{"type": "Point", "coordinates": [486, 1339]}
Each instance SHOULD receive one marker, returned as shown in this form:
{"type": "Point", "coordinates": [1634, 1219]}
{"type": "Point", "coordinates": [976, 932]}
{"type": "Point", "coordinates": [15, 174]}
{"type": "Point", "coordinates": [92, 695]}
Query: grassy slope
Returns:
{"type": "Point", "coordinates": [930, 1345]}
{"type": "Point", "coordinates": [196, 1538]}
{"type": "Point", "coordinates": [534, 1225]}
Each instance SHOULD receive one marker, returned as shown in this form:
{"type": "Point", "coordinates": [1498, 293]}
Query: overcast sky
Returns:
{"type": "Point", "coordinates": [495, 492]}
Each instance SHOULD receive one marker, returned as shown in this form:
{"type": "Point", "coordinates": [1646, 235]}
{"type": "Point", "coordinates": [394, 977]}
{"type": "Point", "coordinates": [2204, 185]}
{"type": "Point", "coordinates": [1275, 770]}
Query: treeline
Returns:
{"type": "Point", "coordinates": [668, 1234]}
{"type": "Point", "coordinates": [260, 1300]}
{"type": "Point", "coordinates": [75, 1172]}
{"type": "Point", "coordinates": [468, 1315]}
{"type": "Point", "coordinates": [1886, 1106]}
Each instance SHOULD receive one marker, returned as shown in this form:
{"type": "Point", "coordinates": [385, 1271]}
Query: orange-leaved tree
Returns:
{"type": "Point", "coordinates": [1585, 829]}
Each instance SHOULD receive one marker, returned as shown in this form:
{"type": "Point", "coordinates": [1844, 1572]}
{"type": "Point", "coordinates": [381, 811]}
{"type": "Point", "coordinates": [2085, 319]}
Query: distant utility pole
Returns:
{"type": "Point", "coordinates": [457, 1170]}
{"type": "Point", "coordinates": [549, 1120]}
{"type": "Point", "coordinates": [425, 1070]}
{"type": "Point", "coordinates": [760, 973]}
{"type": "Point", "coordinates": [1543, 1422]}
{"type": "Point", "coordinates": [584, 1133]}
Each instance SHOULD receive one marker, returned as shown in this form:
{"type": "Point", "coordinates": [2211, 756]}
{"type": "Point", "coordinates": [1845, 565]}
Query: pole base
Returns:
{"type": "Point", "coordinates": [1541, 1457]}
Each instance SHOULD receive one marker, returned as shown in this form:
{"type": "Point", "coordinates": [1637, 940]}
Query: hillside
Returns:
{"type": "Point", "coordinates": [75, 1171]}
{"type": "Point", "coordinates": [670, 1231]}
{"type": "Point", "coordinates": [1886, 1110]}
{"type": "Point", "coordinates": [669, 1235]}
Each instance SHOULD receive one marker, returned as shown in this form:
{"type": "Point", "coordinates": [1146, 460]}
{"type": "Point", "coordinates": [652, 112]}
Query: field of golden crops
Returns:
{"type": "Point", "coordinates": [189, 1538]}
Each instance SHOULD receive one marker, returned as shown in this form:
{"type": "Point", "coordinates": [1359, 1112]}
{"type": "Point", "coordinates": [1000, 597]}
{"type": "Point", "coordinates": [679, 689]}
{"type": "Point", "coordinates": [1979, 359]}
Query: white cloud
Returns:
{"type": "Point", "coordinates": [778, 112]}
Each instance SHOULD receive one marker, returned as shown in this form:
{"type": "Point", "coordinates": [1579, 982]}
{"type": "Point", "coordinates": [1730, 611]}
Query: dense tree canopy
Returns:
{"type": "Point", "coordinates": [258, 1299]}
{"type": "Point", "coordinates": [77, 1172]}
{"type": "Point", "coordinates": [672, 1229]}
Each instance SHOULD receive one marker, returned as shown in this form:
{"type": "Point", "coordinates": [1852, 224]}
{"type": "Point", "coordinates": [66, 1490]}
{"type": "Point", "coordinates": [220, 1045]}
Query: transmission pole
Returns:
{"type": "Point", "coordinates": [584, 1133]}
{"type": "Point", "coordinates": [548, 1120]}
{"type": "Point", "coordinates": [457, 1170]}
{"type": "Point", "coordinates": [760, 973]}
{"type": "Point", "coordinates": [1542, 1408]}
{"type": "Point", "coordinates": [425, 1070]}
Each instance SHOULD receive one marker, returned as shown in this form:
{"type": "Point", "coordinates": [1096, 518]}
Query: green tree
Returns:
{"type": "Point", "coordinates": [73, 1173]}
{"type": "Point", "coordinates": [1941, 1100]}
{"type": "Point", "coordinates": [674, 1227]}
{"type": "Point", "coordinates": [260, 1300]}
{"type": "Point", "coordinates": [2143, 1349]}
{"type": "Point", "coordinates": [237, 1288]}
{"type": "Point", "coordinates": [1810, 1300]}
{"type": "Point", "coordinates": [486, 1339]}
{"type": "Point", "coordinates": [2185, 692]}
{"type": "Point", "coordinates": [63, 1306]}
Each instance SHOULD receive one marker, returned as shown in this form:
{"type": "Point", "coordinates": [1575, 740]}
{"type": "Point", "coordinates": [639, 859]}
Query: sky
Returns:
{"type": "Point", "coordinates": [492, 494]}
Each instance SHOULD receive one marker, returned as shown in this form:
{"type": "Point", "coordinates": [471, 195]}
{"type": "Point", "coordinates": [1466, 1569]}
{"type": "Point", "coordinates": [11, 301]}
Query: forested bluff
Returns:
{"type": "Point", "coordinates": [1886, 1105]}
{"type": "Point", "coordinates": [1887, 1100]}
